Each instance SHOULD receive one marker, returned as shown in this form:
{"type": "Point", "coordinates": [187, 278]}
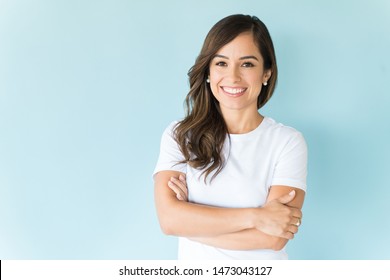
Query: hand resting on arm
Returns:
{"type": "Point", "coordinates": [268, 227]}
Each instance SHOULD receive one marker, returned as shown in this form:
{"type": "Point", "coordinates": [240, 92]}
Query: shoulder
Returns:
{"type": "Point", "coordinates": [170, 128]}
{"type": "Point", "coordinates": [283, 137]}
{"type": "Point", "coordinates": [281, 133]}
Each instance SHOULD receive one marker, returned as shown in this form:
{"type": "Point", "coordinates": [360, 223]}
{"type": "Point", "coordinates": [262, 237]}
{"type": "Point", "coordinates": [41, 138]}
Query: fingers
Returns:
{"type": "Point", "coordinates": [295, 214]}
{"type": "Point", "coordinates": [179, 186]}
{"type": "Point", "coordinates": [288, 235]}
{"type": "Point", "coordinates": [181, 183]}
{"type": "Point", "coordinates": [291, 228]}
{"type": "Point", "coordinates": [296, 221]}
{"type": "Point", "coordinates": [287, 197]}
{"type": "Point", "coordinates": [280, 219]}
{"type": "Point", "coordinates": [290, 232]}
{"type": "Point", "coordinates": [178, 191]}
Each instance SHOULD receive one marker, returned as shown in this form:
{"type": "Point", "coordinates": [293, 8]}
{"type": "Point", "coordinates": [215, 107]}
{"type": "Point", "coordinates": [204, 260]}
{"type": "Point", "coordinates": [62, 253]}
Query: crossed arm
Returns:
{"type": "Point", "coordinates": [267, 227]}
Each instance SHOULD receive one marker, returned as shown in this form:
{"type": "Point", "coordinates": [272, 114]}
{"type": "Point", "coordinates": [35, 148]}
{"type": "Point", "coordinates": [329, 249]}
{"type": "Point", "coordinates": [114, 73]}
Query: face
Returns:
{"type": "Point", "coordinates": [237, 74]}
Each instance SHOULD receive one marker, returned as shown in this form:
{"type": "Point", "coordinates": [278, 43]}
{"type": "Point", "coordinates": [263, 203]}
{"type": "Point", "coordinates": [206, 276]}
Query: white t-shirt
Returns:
{"type": "Point", "coordinates": [272, 154]}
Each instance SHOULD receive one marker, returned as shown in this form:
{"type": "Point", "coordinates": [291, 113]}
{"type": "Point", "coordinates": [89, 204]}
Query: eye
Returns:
{"type": "Point", "coordinates": [221, 63]}
{"type": "Point", "coordinates": [248, 64]}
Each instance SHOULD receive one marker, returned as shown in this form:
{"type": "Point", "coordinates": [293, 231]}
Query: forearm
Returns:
{"type": "Point", "coordinates": [182, 218]}
{"type": "Point", "coordinates": [249, 239]}
{"type": "Point", "coordinates": [253, 238]}
{"type": "Point", "coordinates": [193, 220]}
{"type": "Point", "coordinates": [186, 219]}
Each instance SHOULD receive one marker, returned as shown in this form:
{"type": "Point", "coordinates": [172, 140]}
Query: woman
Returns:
{"type": "Point", "coordinates": [229, 181]}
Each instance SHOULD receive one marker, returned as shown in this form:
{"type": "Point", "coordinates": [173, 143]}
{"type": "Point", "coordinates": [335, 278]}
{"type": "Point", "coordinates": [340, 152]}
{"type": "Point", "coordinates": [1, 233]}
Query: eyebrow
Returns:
{"type": "Point", "coordinates": [241, 58]}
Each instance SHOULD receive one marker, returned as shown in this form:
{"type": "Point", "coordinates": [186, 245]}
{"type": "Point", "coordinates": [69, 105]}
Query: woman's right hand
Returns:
{"type": "Point", "coordinates": [276, 218]}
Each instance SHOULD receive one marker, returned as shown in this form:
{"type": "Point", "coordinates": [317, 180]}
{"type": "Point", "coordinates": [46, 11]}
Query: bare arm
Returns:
{"type": "Point", "coordinates": [182, 218]}
{"type": "Point", "coordinates": [248, 239]}
{"type": "Point", "coordinates": [254, 239]}
{"type": "Point", "coordinates": [297, 202]}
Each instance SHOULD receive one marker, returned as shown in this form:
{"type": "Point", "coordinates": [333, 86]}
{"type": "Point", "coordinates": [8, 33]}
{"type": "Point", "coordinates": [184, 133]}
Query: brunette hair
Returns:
{"type": "Point", "coordinates": [201, 134]}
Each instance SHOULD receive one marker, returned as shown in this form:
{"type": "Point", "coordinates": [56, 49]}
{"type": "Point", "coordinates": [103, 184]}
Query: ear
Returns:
{"type": "Point", "coordinates": [267, 74]}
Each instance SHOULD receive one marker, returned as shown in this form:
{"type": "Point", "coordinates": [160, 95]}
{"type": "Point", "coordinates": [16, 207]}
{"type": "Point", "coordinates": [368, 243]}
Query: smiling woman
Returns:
{"type": "Point", "coordinates": [229, 181]}
{"type": "Point", "coordinates": [237, 71]}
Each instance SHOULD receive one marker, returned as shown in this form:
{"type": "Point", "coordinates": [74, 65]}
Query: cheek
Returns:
{"type": "Point", "coordinates": [215, 79]}
{"type": "Point", "coordinates": [256, 76]}
{"type": "Point", "coordinates": [215, 76]}
{"type": "Point", "coordinates": [256, 81]}
{"type": "Point", "coordinates": [214, 89]}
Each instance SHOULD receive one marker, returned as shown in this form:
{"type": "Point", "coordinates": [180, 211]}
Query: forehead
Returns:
{"type": "Point", "coordinates": [242, 45]}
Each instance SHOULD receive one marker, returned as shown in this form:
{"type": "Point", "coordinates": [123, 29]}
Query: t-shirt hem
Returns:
{"type": "Point", "coordinates": [166, 168]}
{"type": "Point", "coordinates": [290, 182]}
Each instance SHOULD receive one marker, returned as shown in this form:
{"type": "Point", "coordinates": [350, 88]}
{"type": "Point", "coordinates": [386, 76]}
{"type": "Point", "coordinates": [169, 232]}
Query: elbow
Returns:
{"type": "Point", "coordinates": [167, 227]}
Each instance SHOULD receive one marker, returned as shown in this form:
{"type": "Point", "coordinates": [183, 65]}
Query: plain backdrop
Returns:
{"type": "Point", "coordinates": [87, 88]}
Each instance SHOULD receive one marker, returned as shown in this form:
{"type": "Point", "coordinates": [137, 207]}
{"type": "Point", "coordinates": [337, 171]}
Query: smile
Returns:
{"type": "Point", "coordinates": [235, 91]}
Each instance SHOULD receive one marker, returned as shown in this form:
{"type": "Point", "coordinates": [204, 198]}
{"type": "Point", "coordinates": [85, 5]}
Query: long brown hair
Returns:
{"type": "Point", "coordinates": [202, 133]}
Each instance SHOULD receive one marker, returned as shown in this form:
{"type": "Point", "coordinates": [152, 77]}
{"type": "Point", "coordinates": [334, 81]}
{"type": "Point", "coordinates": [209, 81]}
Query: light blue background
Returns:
{"type": "Point", "coordinates": [87, 88]}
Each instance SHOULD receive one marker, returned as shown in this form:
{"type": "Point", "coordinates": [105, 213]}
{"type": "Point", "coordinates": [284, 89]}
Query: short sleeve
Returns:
{"type": "Point", "coordinates": [291, 166]}
{"type": "Point", "coordinates": [170, 154]}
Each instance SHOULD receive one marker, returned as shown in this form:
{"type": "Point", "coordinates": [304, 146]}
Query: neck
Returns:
{"type": "Point", "coordinates": [242, 122]}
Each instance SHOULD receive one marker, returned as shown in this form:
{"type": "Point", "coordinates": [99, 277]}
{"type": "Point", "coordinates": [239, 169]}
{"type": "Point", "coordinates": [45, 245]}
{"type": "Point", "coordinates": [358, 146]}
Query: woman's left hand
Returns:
{"type": "Point", "coordinates": [179, 186]}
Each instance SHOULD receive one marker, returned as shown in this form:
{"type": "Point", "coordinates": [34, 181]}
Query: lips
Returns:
{"type": "Point", "coordinates": [234, 91]}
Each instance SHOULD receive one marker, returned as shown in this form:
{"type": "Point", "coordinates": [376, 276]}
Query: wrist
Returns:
{"type": "Point", "coordinates": [256, 218]}
{"type": "Point", "coordinates": [253, 217]}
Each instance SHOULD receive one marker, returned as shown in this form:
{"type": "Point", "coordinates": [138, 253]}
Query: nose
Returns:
{"type": "Point", "coordinates": [234, 74]}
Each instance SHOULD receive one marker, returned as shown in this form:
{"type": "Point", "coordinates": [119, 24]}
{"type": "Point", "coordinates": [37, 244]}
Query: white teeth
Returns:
{"type": "Point", "coordinates": [233, 90]}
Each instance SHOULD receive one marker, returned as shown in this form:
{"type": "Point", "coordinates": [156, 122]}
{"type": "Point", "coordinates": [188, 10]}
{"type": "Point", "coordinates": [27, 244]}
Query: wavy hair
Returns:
{"type": "Point", "coordinates": [202, 133]}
